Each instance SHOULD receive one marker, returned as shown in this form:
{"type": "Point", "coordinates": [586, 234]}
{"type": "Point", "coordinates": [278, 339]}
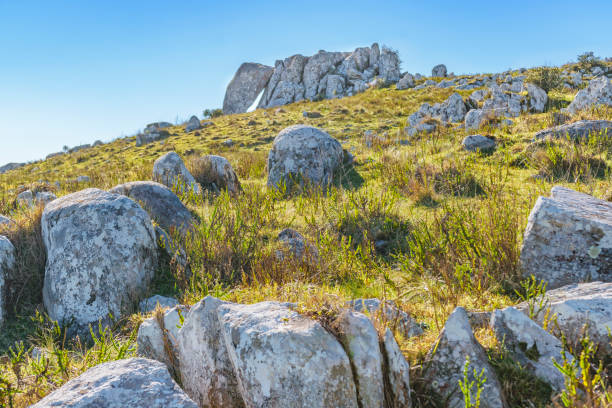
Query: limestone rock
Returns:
{"type": "Point", "coordinates": [568, 239]}
{"type": "Point", "coordinates": [304, 151]}
{"type": "Point", "coordinates": [149, 304]}
{"type": "Point", "coordinates": [478, 143]}
{"type": "Point", "coordinates": [162, 204]}
{"type": "Point", "coordinates": [388, 66]}
{"type": "Point", "coordinates": [389, 313]}
{"type": "Point", "coordinates": [161, 345]}
{"type": "Point", "coordinates": [406, 82]}
{"type": "Point", "coordinates": [452, 109]}
{"type": "Point", "coordinates": [10, 166]}
{"type": "Point", "coordinates": [398, 372]}
{"type": "Point", "coordinates": [439, 71]}
{"type": "Point", "coordinates": [537, 98]}
{"type": "Point", "coordinates": [248, 82]}
{"type": "Point", "coordinates": [581, 129]}
{"type": "Point", "coordinates": [599, 92]}
{"type": "Point", "coordinates": [170, 170]}
{"type": "Point", "coordinates": [7, 262]}
{"type": "Point", "coordinates": [216, 173]}
{"type": "Point", "coordinates": [133, 382]}
{"type": "Point", "coordinates": [193, 124]}
{"type": "Point", "coordinates": [297, 245]}
{"type": "Point", "coordinates": [101, 256]}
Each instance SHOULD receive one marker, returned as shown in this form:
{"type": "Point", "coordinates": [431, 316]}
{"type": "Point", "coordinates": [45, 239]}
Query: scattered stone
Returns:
{"type": "Point", "coordinates": [228, 143]}
{"type": "Point", "coordinates": [150, 304]}
{"type": "Point", "coordinates": [447, 358]}
{"type": "Point", "coordinates": [568, 239]}
{"type": "Point", "coordinates": [298, 245]}
{"type": "Point", "coordinates": [599, 92]}
{"type": "Point", "coordinates": [10, 166]}
{"type": "Point", "coordinates": [447, 83]}
{"type": "Point", "coordinates": [311, 115]}
{"type": "Point", "coordinates": [193, 124]}
{"type": "Point", "coordinates": [44, 197]}
{"type": "Point", "coordinates": [406, 82]}
{"type": "Point", "coordinates": [216, 173]}
{"type": "Point", "coordinates": [537, 98]}
{"type": "Point", "coordinates": [390, 313]}
{"type": "Point", "coordinates": [581, 129]}
{"type": "Point", "coordinates": [439, 71]}
{"type": "Point", "coordinates": [83, 179]}
{"type": "Point", "coordinates": [451, 110]}
{"type": "Point", "coordinates": [170, 171]}
{"type": "Point", "coordinates": [7, 262]}
{"type": "Point", "coordinates": [478, 143]}
{"type": "Point", "coordinates": [133, 382]}
{"type": "Point", "coordinates": [158, 344]}
{"type": "Point", "coordinates": [161, 203]}
{"type": "Point", "coordinates": [78, 148]}
{"type": "Point", "coordinates": [303, 151]}
{"type": "Point", "coordinates": [101, 257]}
{"type": "Point", "coordinates": [26, 198]}
{"type": "Point", "coordinates": [246, 85]}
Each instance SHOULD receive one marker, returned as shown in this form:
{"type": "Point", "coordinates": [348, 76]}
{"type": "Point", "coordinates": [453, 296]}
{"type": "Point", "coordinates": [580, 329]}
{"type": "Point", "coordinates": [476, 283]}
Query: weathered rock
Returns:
{"type": "Point", "coordinates": [533, 347]}
{"type": "Point", "coordinates": [576, 307]}
{"type": "Point", "coordinates": [10, 166]}
{"type": "Point", "coordinates": [26, 198]}
{"type": "Point", "coordinates": [216, 173]}
{"type": "Point", "coordinates": [207, 373]}
{"type": "Point", "coordinates": [7, 262]}
{"type": "Point", "coordinates": [248, 82]}
{"type": "Point", "coordinates": [44, 197]}
{"type": "Point", "coordinates": [537, 98]}
{"type": "Point", "coordinates": [397, 371]}
{"type": "Point", "coordinates": [158, 344]}
{"type": "Point", "coordinates": [170, 170]}
{"type": "Point", "coordinates": [193, 124]}
{"type": "Point", "coordinates": [452, 109]}
{"type": "Point", "coordinates": [283, 359]}
{"type": "Point", "coordinates": [297, 245]}
{"type": "Point", "coordinates": [83, 179]}
{"type": "Point", "coordinates": [134, 382]}
{"type": "Point", "coordinates": [388, 66]}
{"type": "Point", "coordinates": [478, 143]}
{"type": "Point", "coordinates": [389, 313]}
{"type": "Point", "coordinates": [406, 82]}
{"type": "Point", "coordinates": [162, 204]}
{"type": "Point", "coordinates": [311, 115]}
{"type": "Point", "coordinates": [439, 71]}
{"type": "Point", "coordinates": [149, 304]}
{"type": "Point", "coordinates": [568, 239]}
{"type": "Point", "coordinates": [306, 152]}
{"type": "Point", "coordinates": [581, 129]}
{"type": "Point", "coordinates": [151, 136]}
{"type": "Point", "coordinates": [447, 360]}
{"type": "Point", "coordinates": [101, 257]}
{"type": "Point", "coordinates": [599, 92]}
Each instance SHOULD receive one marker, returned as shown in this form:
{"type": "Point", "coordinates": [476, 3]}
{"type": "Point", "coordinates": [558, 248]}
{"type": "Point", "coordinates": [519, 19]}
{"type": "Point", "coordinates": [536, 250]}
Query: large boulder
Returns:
{"type": "Point", "coordinates": [576, 307]}
{"type": "Point", "coordinates": [478, 143]}
{"type": "Point", "coordinates": [134, 382]}
{"type": "Point", "coordinates": [439, 71]}
{"type": "Point", "coordinates": [170, 171]}
{"type": "Point", "coordinates": [533, 347]}
{"type": "Point", "coordinates": [599, 92]}
{"type": "Point", "coordinates": [161, 203]}
{"type": "Point", "coordinates": [406, 82]}
{"type": "Point", "coordinates": [207, 373]}
{"type": "Point", "coordinates": [582, 129]}
{"type": "Point", "coordinates": [216, 173]}
{"type": "Point", "coordinates": [388, 66]}
{"type": "Point", "coordinates": [101, 256]}
{"type": "Point", "coordinates": [537, 98]}
{"type": "Point", "coordinates": [306, 152]}
{"type": "Point", "coordinates": [283, 359]}
{"type": "Point", "coordinates": [447, 359]}
{"type": "Point", "coordinates": [7, 262]}
{"type": "Point", "coordinates": [157, 337]}
{"type": "Point", "coordinates": [193, 124]}
{"type": "Point", "coordinates": [246, 85]}
{"type": "Point", "coordinates": [568, 239]}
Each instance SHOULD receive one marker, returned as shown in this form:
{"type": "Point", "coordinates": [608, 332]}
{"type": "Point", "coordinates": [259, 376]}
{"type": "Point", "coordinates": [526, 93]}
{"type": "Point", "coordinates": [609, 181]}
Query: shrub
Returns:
{"type": "Point", "coordinates": [588, 60]}
{"type": "Point", "coordinates": [547, 78]}
{"type": "Point", "coordinates": [212, 113]}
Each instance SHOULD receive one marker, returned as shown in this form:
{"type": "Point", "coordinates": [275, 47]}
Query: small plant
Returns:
{"type": "Point", "coordinates": [588, 60]}
{"type": "Point", "coordinates": [547, 78]}
{"type": "Point", "coordinates": [533, 293]}
{"type": "Point", "coordinates": [212, 113]}
{"type": "Point", "coordinates": [472, 390]}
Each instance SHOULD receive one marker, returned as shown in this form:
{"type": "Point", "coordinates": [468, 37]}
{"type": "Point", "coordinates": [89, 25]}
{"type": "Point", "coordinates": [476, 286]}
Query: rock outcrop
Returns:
{"type": "Point", "coordinates": [599, 92]}
{"type": "Point", "coordinates": [582, 129]}
{"type": "Point", "coordinates": [568, 239]}
{"type": "Point", "coordinates": [305, 153]}
{"type": "Point", "coordinates": [426, 119]}
{"type": "Point", "coordinates": [439, 71]}
{"type": "Point", "coordinates": [7, 261]}
{"type": "Point", "coordinates": [101, 257]}
{"type": "Point", "coordinates": [246, 85]}
{"type": "Point", "coordinates": [134, 382]}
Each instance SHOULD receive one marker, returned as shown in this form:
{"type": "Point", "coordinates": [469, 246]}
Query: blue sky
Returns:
{"type": "Point", "coordinates": [72, 72]}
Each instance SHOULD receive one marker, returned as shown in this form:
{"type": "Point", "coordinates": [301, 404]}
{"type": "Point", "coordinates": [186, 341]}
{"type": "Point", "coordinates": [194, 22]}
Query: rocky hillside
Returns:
{"type": "Point", "coordinates": [401, 240]}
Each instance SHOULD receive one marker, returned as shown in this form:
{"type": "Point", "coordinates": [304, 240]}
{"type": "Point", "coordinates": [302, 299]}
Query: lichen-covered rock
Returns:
{"type": "Point", "coordinates": [478, 143]}
{"type": "Point", "coordinates": [305, 152]}
{"type": "Point", "coordinates": [246, 85]}
{"type": "Point", "coordinates": [452, 109]}
{"type": "Point", "coordinates": [406, 82]}
{"type": "Point", "coordinates": [158, 344]}
{"type": "Point", "coordinates": [7, 261]}
{"type": "Point", "coordinates": [170, 171]}
{"type": "Point", "coordinates": [581, 129]}
{"type": "Point", "coordinates": [207, 373]}
{"type": "Point", "coordinates": [134, 382]}
{"type": "Point", "coordinates": [25, 198]}
{"type": "Point", "coordinates": [599, 92]}
{"type": "Point", "coordinates": [101, 256]}
{"type": "Point", "coordinates": [390, 313]}
{"type": "Point", "coordinates": [397, 371]}
{"type": "Point", "coordinates": [193, 124]}
{"type": "Point", "coordinates": [576, 306]}
{"type": "Point", "coordinates": [388, 66]}
{"type": "Point", "coordinates": [44, 197]}
{"type": "Point", "coordinates": [533, 347]}
{"type": "Point", "coordinates": [537, 98]}
{"type": "Point", "coordinates": [297, 245]}
{"type": "Point", "coordinates": [447, 358]}
{"type": "Point", "coordinates": [216, 173]}
{"type": "Point", "coordinates": [439, 71]}
{"type": "Point", "coordinates": [150, 304]}
{"type": "Point", "coordinates": [283, 359]}
{"type": "Point", "coordinates": [360, 340]}
{"type": "Point", "coordinates": [161, 203]}
{"type": "Point", "coordinates": [568, 239]}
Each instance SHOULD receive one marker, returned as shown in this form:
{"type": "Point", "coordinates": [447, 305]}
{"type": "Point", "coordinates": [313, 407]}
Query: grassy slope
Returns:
{"type": "Point", "coordinates": [453, 220]}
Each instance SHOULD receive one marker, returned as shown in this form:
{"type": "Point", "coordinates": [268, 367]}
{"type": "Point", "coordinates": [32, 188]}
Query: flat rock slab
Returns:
{"type": "Point", "coordinates": [478, 143]}
{"type": "Point", "coordinates": [568, 239]}
{"type": "Point", "coordinates": [581, 129]}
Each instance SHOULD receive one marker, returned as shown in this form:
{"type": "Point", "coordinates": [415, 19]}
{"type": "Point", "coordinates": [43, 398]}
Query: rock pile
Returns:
{"type": "Point", "coordinates": [428, 117]}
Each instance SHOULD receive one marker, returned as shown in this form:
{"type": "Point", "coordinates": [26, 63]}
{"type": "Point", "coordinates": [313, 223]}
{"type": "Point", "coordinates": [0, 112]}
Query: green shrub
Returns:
{"type": "Point", "coordinates": [547, 78]}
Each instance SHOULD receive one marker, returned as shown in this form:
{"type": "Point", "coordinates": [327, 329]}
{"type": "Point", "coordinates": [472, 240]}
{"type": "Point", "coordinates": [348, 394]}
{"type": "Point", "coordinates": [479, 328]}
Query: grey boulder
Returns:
{"type": "Point", "coordinates": [7, 262]}
{"type": "Point", "coordinates": [193, 124]}
{"type": "Point", "coordinates": [406, 82]}
{"type": "Point", "coordinates": [582, 129]}
{"type": "Point", "coordinates": [599, 92]}
{"type": "Point", "coordinates": [537, 98]}
{"type": "Point", "coordinates": [170, 171]}
{"type": "Point", "coordinates": [157, 337]}
{"type": "Point", "coordinates": [216, 173]}
{"type": "Point", "coordinates": [478, 143]}
{"type": "Point", "coordinates": [439, 71]}
{"type": "Point", "coordinates": [150, 304]}
{"type": "Point", "coordinates": [248, 82]}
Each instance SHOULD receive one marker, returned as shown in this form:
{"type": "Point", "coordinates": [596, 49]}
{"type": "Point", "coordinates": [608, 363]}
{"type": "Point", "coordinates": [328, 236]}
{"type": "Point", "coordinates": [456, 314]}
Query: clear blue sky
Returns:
{"type": "Point", "coordinates": [72, 72]}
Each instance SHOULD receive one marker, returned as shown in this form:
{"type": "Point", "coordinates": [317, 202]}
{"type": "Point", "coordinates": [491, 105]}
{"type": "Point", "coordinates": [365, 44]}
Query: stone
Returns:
{"type": "Point", "coordinates": [306, 152]}
{"type": "Point", "coordinates": [537, 98]}
{"type": "Point", "coordinates": [533, 347]}
{"type": "Point", "coordinates": [439, 71]}
{"type": "Point", "coordinates": [335, 86]}
{"type": "Point", "coordinates": [44, 197]}
{"type": "Point", "coordinates": [582, 129]}
{"type": "Point", "coordinates": [246, 85]}
{"type": "Point", "coordinates": [391, 313]}
{"type": "Point", "coordinates": [568, 239]}
{"type": "Point", "coordinates": [406, 82]}
{"type": "Point", "coordinates": [151, 136]}
{"type": "Point", "coordinates": [4, 221]}
{"type": "Point", "coordinates": [216, 173]}
{"type": "Point", "coordinates": [283, 359]}
{"type": "Point", "coordinates": [452, 109]}
{"type": "Point", "coordinates": [311, 115]}
{"type": "Point", "coordinates": [7, 262]}
{"type": "Point", "coordinates": [162, 204]}
{"type": "Point", "coordinates": [10, 166]}
{"type": "Point", "coordinates": [158, 344]}
{"type": "Point", "coordinates": [599, 92]}
{"type": "Point", "coordinates": [79, 148]}
{"type": "Point", "coordinates": [101, 257]}
{"type": "Point", "coordinates": [398, 372]}
{"type": "Point", "coordinates": [228, 143]}
{"type": "Point", "coordinates": [297, 245]}
{"type": "Point", "coordinates": [447, 358]}
{"type": "Point", "coordinates": [133, 382]}
{"type": "Point", "coordinates": [170, 171]}
{"type": "Point", "coordinates": [388, 66]}
{"type": "Point", "coordinates": [576, 307]}
{"type": "Point", "coordinates": [207, 374]}
{"type": "Point", "coordinates": [193, 124]}
{"type": "Point", "coordinates": [26, 198]}
{"type": "Point", "coordinates": [360, 340]}
{"type": "Point", "coordinates": [576, 78]}
{"type": "Point", "coordinates": [150, 304]}
{"type": "Point", "coordinates": [447, 83]}
{"type": "Point", "coordinates": [478, 143]}
{"type": "Point", "coordinates": [83, 179]}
